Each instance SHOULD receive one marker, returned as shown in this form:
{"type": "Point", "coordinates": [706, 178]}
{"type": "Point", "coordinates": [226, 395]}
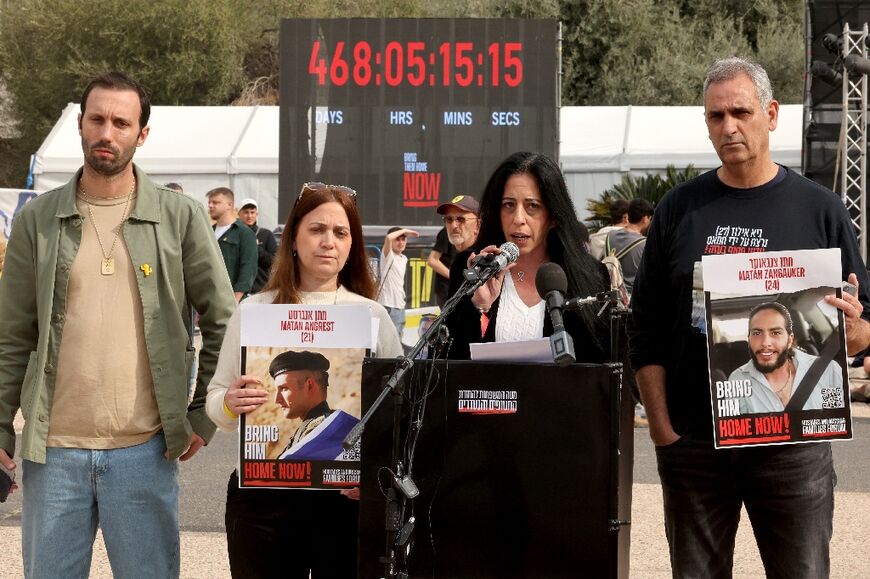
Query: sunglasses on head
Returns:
{"type": "Point", "coordinates": [318, 186]}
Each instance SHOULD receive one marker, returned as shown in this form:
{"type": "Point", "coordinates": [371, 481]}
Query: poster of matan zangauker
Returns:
{"type": "Point", "coordinates": [309, 359]}
{"type": "Point", "coordinates": [776, 349]}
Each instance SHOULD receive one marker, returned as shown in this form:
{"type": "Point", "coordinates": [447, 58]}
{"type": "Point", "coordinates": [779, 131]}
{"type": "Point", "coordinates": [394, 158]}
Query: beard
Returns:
{"type": "Point", "coordinates": [108, 167]}
{"type": "Point", "coordinates": [456, 238]}
{"type": "Point", "coordinates": [775, 365]}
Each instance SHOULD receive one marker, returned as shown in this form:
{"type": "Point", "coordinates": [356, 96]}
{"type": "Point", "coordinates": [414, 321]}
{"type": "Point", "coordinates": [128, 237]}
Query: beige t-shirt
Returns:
{"type": "Point", "coordinates": [104, 394]}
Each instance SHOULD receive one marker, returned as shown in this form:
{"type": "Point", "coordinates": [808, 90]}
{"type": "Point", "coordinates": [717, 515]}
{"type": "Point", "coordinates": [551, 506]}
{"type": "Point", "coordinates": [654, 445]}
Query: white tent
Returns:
{"type": "Point", "coordinates": [207, 147]}
{"type": "Point", "coordinates": [601, 144]}
{"type": "Point", "coordinates": [199, 147]}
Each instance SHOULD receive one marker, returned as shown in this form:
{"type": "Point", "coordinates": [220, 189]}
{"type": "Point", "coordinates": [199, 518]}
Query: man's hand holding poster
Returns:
{"type": "Point", "coordinates": [776, 349]}
{"type": "Point", "coordinates": [309, 360]}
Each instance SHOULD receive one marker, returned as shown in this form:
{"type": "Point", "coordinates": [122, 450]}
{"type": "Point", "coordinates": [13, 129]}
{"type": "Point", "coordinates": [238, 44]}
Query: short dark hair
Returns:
{"type": "Point", "coordinates": [116, 80]}
{"type": "Point", "coordinates": [777, 307]}
{"type": "Point", "coordinates": [618, 208]}
{"type": "Point", "coordinates": [638, 209]}
{"type": "Point", "coordinates": [175, 187]}
{"type": "Point", "coordinates": [225, 191]}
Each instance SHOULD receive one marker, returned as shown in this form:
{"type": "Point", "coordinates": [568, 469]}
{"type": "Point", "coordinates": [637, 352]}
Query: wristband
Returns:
{"type": "Point", "coordinates": [230, 414]}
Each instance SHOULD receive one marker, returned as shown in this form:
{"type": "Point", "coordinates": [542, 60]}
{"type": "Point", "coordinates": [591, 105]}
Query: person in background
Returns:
{"type": "Point", "coordinates": [2, 254]}
{"type": "Point", "coordinates": [267, 246]}
{"type": "Point", "coordinates": [321, 260]}
{"type": "Point", "coordinates": [393, 265]}
{"type": "Point", "coordinates": [628, 241]}
{"type": "Point", "coordinates": [460, 232]}
{"type": "Point", "coordinates": [98, 353]}
{"type": "Point", "coordinates": [618, 219]}
{"type": "Point", "coordinates": [526, 202]}
{"type": "Point", "coordinates": [237, 242]}
{"type": "Point", "coordinates": [175, 187]}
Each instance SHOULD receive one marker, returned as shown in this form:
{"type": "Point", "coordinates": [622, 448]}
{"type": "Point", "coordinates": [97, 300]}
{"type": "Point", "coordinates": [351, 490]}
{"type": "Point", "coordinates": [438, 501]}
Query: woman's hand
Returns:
{"type": "Point", "coordinates": [240, 399]}
{"type": "Point", "coordinates": [486, 294]}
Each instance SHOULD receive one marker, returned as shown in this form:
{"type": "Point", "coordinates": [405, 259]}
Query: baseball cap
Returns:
{"type": "Point", "coordinates": [248, 201]}
{"type": "Point", "coordinates": [463, 202]}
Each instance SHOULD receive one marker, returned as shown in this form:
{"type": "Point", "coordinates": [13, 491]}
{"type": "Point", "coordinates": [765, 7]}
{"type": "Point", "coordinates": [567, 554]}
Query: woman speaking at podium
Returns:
{"type": "Point", "coordinates": [526, 202]}
{"type": "Point", "coordinates": [321, 260]}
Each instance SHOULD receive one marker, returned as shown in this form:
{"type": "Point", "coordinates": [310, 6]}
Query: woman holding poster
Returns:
{"type": "Point", "coordinates": [526, 202]}
{"type": "Point", "coordinates": [321, 260]}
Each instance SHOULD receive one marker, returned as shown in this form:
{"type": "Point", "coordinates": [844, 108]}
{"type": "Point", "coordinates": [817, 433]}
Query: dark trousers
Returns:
{"type": "Point", "coordinates": [289, 533]}
{"type": "Point", "coordinates": [788, 491]}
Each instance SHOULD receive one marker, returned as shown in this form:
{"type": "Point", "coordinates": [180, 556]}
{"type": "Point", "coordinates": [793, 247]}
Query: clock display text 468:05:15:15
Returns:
{"type": "Point", "coordinates": [460, 64]}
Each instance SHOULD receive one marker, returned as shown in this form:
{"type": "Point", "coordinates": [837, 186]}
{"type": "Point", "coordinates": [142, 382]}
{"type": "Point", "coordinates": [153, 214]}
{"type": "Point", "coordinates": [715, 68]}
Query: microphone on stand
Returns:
{"type": "Point", "coordinates": [486, 265]}
{"type": "Point", "coordinates": [552, 284]}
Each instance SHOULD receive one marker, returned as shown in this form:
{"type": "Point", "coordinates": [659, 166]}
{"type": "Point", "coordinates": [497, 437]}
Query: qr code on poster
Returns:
{"type": "Point", "coordinates": [832, 398]}
{"type": "Point", "coordinates": [351, 453]}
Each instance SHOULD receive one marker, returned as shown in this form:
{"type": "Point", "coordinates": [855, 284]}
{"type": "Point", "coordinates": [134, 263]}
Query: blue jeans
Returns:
{"type": "Point", "coordinates": [398, 317]}
{"type": "Point", "coordinates": [130, 493]}
{"type": "Point", "coordinates": [788, 492]}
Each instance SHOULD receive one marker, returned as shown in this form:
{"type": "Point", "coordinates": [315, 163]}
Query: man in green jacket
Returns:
{"type": "Point", "coordinates": [95, 348]}
{"type": "Point", "coordinates": [237, 241]}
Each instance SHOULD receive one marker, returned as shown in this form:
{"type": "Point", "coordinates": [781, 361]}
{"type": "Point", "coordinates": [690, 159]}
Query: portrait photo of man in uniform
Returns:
{"type": "Point", "coordinates": [301, 385]}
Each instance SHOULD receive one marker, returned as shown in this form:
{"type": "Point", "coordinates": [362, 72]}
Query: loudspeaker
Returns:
{"type": "Point", "coordinates": [824, 95]}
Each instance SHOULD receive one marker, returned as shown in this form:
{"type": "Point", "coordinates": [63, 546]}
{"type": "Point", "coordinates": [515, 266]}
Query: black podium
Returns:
{"type": "Point", "coordinates": [524, 470]}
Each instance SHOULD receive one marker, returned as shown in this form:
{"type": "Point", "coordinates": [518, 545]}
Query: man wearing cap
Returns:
{"type": "Point", "coordinates": [461, 226]}
{"type": "Point", "coordinates": [267, 246]}
{"type": "Point", "coordinates": [393, 265]}
{"type": "Point", "coordinates": [237, 242]}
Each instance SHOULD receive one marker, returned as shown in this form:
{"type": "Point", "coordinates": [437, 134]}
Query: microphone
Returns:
{"type": "Point", "coordinates": [552, 284]}
{"type": "Point", "coordinates": [485, 266]}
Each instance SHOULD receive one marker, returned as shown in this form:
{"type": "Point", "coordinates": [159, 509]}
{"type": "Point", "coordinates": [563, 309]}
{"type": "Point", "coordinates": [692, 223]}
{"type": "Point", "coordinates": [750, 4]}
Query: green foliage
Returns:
{"type": "Point", "coordinates": [650, 187]}
{"type": "Point", "coordinates": [214, 52]}
{"type": "Point", "coordinates": [184, 51]}
{"type": "Point", "coordinates": [656, 52]}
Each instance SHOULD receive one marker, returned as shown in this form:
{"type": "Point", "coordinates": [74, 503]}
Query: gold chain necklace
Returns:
{"type": "Point", "coordinates": [789, 381]}
{"type": "Point", "coordinates": [107, 264]}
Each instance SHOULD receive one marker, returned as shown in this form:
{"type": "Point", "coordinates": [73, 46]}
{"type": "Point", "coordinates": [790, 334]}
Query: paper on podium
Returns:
{"type": "Point", "coordinates": [537, 350]}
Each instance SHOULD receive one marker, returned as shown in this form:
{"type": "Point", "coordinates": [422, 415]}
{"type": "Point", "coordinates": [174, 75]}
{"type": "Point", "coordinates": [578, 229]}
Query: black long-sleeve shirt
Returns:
{"type": "Point", "coordinates": [702, 217]}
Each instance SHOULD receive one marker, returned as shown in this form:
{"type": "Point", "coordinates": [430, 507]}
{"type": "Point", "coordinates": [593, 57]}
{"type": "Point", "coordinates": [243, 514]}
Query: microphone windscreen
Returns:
{"type": "Point", "coordinates": [550, 277]}
{"type": "Point", "coordinates": [511, 251]}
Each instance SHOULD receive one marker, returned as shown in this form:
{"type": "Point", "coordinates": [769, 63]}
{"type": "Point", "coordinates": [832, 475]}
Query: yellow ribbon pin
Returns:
{"type": "Point", "coordinates": [146, 269]}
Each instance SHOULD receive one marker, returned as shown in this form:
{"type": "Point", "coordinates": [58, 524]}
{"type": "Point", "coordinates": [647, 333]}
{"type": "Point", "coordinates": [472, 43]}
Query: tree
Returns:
{"type": "Point", "coordinates": [651, 187]}
{"type": "Point", "coordinates": [655, 52]}
{"type": "Point", "coordinates": [215, 52]}
{"type": "Point", "coordinates": [184, 51]}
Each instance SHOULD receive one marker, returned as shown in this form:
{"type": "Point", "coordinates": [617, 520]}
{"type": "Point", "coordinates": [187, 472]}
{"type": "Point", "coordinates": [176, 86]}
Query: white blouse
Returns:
{"type": "Point", "coordinates": [515, 320]}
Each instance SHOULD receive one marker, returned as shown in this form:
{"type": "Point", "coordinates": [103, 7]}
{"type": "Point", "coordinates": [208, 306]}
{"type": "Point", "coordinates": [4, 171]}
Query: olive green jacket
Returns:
{"type": "Point", "coordinates": [177, 264]}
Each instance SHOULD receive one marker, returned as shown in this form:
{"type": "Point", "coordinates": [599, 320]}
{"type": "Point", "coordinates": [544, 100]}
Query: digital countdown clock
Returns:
{"type": "Point", "coordinates": [415, 64]}
{"type": "Point", "coordinates": [412, 112]}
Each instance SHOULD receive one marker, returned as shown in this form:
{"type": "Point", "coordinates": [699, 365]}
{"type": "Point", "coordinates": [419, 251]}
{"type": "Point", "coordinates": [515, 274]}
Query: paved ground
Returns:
{"type": "Point", "coordinates": [203, 484]}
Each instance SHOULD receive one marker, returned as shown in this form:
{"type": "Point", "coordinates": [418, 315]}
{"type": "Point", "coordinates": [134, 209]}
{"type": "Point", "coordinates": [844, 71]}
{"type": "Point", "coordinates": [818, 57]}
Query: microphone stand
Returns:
{"type": "Point", "coordinates": [397, 533]}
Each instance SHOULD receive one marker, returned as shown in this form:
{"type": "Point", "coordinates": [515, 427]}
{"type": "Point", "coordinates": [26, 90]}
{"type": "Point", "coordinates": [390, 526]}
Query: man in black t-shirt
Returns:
{"type": "Point", "coordinates": [749, 203]}
{"type": "Point", "coordinates": [460, 232]}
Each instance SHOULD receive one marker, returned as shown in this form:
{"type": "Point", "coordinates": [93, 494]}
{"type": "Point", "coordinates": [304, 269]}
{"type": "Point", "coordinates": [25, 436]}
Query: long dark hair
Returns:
{"type": "Point", "coordinates": [586, 276]}
{"type": "Point", "coordinates": [355, 276]}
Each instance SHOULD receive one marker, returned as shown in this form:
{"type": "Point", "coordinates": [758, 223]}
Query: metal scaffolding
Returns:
{"type": "Point", "coordinates": [853, 152]}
